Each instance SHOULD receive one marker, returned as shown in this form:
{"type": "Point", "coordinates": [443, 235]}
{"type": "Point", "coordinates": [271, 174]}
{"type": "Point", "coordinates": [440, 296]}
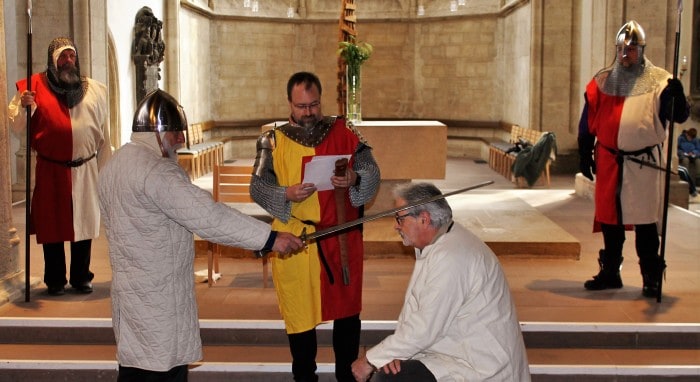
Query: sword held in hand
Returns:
{"type": "Point", "coordinates": [306, 238]}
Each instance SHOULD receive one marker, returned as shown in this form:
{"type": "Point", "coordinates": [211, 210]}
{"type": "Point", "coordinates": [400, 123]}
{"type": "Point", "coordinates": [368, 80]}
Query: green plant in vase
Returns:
{"type": "Point", "coordinates": [354, 54]}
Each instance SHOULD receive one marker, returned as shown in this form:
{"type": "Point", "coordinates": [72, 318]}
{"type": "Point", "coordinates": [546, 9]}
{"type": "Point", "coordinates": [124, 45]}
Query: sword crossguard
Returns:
{"type": "Point", "coordinates": [303, 236]}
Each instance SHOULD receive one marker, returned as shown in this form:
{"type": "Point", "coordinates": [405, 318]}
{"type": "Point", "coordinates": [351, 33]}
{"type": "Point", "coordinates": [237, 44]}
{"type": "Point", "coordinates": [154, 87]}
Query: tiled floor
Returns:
{"type": "Point", "coordinates": [544, 289]}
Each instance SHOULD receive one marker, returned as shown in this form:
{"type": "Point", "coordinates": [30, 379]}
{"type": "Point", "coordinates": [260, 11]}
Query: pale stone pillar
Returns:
{"type": "Point", "coordinates": [20, 186]}
{"type": "Point", "coordinates": [11, 272]}
{"type": "Point", "coordinates": [172, 50]}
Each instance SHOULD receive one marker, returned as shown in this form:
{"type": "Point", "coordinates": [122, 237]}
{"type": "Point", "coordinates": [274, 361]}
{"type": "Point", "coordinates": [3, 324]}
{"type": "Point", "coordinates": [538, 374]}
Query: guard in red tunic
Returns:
{"type": "Point", "coordinates": [70, 134]}
{"type": "Point", "coordinates": [622, 125]}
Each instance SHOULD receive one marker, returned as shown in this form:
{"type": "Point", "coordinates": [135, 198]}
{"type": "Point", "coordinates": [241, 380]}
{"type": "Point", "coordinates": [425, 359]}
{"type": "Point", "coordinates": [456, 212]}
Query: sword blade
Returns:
{"type": "Point", "coordinates": [340, 227]}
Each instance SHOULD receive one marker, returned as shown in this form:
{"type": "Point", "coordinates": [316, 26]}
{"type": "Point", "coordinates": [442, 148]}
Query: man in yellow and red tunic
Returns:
{"type": "Point", "coordinates": [626, 112]}
{"type": "Point", "coordinates": [70, 134]}
{"type": "Point", "coordinates": [322, 282]}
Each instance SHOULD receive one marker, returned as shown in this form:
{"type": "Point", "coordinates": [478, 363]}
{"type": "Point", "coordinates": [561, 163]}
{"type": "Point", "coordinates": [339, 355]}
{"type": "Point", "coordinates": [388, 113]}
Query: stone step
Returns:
{"type": "Point", "coordinates": [51, 349]}
{"type": "Point", "coordinates": [272, 363]}
{"type": "Point", "coordinates": [537, 335]}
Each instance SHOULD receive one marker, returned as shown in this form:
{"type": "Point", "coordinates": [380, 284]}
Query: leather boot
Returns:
{"type": "Point", "coordinates": [609, 275]}
{"type": "Point", "coordinates": [652, 272]}
{"type": "Point", "coordinates": [303, 347]}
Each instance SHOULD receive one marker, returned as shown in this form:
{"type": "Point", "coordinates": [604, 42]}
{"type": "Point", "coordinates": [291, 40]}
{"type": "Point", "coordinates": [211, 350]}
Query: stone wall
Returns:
{"type": "Point", "coordinates": [514, 69]}
{"type": "Point", "coordinates": [418, 70]}
{"type": "Point", "coordinates": [516, 61]}
{"type": "Point", "coordinates": [553, 56]}
{"type": "Point", "coordinates": [11, 269]}
{"type": "Point", "coordinates": [456, 70]}
{"type": "Point", "coordinates": [198, 80]}
{"type": "Point", "coordinates": [521, 62]}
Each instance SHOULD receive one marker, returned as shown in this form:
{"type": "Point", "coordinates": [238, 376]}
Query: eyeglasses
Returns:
{"type": "Point", "coordinates": [311, 106]}
{"type": "Point", "coordinates": [399, 218]}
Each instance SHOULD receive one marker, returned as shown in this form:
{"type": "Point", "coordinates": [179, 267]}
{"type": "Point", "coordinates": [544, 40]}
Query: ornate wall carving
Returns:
{"type": "Point", "coordinates": [147, 51]}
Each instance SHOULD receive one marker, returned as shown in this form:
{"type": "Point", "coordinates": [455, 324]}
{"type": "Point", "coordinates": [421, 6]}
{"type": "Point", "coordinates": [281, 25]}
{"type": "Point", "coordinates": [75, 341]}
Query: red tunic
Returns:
{"type": "Point", "coordinates": [629, 193]}
{"type": "Point", "coordinates": [64, 203]}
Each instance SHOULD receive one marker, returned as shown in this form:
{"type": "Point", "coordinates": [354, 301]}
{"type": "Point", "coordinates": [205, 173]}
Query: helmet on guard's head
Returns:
{"type": "Point", "coordinates": [631, 34]}
{"type": "Point", "coordinates": [160, 112]}
{"type": "Point", "coordinates": [631, 73]}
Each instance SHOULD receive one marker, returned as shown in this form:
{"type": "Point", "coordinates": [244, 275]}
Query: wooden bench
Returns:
{"type": "Point", "coordinates": [501, 161]}
{"type": "Point", "coordinates": [239, 137]}
{"type": "Point", "coordinates": [201, 157]}
{"type": "Point", "coordinates": [217, 143]}
{"type": "Point", "coordinates": [207, 129]}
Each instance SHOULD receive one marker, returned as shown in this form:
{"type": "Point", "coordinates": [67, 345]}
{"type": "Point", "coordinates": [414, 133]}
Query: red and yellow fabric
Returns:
{"type": "Point", "coordinates": [305, 294]}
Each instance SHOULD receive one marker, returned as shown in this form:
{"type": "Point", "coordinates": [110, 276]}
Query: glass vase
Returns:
{"type": "Point", "coordinates": [353, 95]}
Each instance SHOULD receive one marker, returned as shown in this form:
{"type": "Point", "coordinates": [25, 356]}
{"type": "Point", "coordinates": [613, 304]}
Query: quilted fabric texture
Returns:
{"type": "Point", "coordinates": [150, 210]}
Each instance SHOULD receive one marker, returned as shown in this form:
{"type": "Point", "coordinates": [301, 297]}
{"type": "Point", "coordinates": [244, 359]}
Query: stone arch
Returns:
{"type": "Point", "coordinates": [113, 95]}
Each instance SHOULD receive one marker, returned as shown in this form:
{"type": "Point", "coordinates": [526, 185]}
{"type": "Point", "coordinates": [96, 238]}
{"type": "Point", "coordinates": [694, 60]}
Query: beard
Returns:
{"type": "Point", "coordinates": [404, 240]}
{"type": "Point", "coordinates": [172, 153]}
{"type": "Point", "coordinates": [68, 76]}
{"type": "Point", "coordinates": [168, 147]}
{"type": "Point", "coordinates": [307, 122]}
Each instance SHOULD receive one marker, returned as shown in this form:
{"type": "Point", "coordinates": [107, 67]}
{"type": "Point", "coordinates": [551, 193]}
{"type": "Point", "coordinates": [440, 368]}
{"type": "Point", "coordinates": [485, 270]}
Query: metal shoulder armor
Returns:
{"type": "Point", "coordinates": [264, 147]}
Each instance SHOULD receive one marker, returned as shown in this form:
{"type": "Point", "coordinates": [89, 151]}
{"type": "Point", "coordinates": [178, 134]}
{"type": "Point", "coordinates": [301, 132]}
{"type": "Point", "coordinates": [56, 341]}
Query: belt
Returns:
{"type": "Point", "coordinates": [620, 156]}
{"type": "Point", "coordinates": [327, 267]}
{"type": "Point", "coordinates": [71, 163]}
{"type": "Point", "coordinates": [619, 153]}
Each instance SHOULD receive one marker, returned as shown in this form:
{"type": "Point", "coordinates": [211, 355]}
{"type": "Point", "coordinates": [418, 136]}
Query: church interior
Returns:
{"type": "Point", "coordinates": [449, 87]}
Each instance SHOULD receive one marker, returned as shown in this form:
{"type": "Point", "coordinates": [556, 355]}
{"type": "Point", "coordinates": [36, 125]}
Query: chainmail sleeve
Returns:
{"type": "Point", "coordinates": [264, 188]}
{"type": "Point", "coordinates": [366, 167]}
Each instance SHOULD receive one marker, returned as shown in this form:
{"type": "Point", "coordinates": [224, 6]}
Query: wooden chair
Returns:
{"type": "Point", "coordinates": [231, 185]}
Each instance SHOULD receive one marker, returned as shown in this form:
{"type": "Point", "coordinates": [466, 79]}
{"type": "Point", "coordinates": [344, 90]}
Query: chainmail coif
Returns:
{"type": "Point", "coordinates": [638, 79]}
{"type": "Point", "coordinates": [69, 95]}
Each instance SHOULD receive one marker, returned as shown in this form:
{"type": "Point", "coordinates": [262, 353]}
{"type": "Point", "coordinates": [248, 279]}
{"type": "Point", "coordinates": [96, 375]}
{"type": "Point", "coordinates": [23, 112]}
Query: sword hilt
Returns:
{"type": "Point", "coordinates": [262, 253]}
{"type": "Point", "coordinates": [341, 166]}
{"type": "Point", "coordinates": [303, 236]}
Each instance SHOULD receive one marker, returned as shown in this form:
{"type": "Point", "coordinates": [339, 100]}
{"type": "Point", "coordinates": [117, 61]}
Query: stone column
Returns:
{"type": "Point", "coordinates": [19, 188]}
{"type": "Point", "coordinates": [171, 32]}
{"type": "Point", "coordinates": [11, 272]}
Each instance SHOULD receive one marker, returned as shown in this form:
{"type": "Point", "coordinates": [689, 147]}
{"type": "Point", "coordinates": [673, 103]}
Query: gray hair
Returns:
{"type": "Point", "coordinates": [439, 210]}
